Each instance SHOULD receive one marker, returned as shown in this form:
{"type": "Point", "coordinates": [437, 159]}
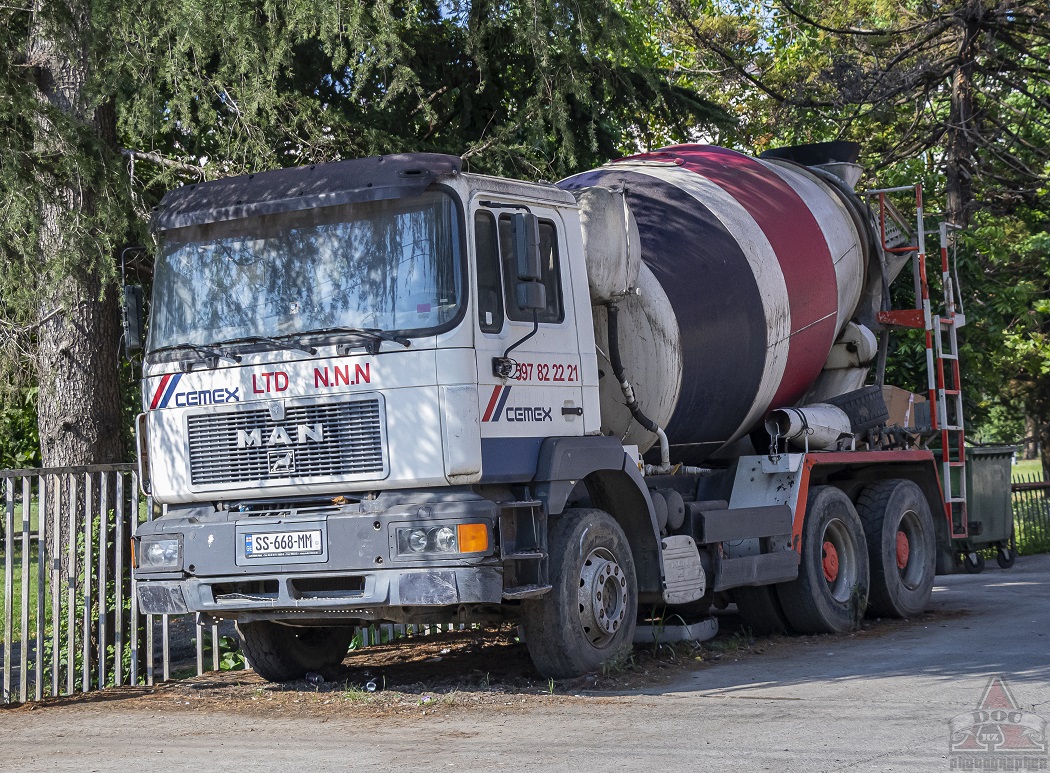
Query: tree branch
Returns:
{"type": "Point", "coordinates": [156, 158]}
{"type": "Point", "coordinates": [853, 30]}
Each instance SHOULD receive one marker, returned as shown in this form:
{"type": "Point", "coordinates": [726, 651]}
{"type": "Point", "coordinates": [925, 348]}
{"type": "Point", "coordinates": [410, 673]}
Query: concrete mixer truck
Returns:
{"type": "Point", "coordinates": [389, 390]}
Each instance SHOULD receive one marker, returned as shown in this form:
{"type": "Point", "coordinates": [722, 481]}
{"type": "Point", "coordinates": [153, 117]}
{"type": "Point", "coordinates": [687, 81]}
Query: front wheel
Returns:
{"type": "Point", "coordinates": [831, 591]}
{"type": "Point", "coordinates": [281, 653]}
{"type": "Point", "coordinates": [587, 620]}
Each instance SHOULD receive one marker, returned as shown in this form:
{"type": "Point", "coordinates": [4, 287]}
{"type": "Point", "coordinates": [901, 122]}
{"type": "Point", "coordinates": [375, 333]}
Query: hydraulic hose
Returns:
{"type": "Point", "coordinates": [628, 391]}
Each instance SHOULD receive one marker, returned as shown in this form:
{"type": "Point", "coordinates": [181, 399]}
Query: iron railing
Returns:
{"type": "Point", "coordinates": [1031, 505]}
{"type": "Point", "coordinates": [70, 620]}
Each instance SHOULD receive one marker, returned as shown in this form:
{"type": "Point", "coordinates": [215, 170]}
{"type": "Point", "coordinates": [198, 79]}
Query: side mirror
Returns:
{"type": "Point", "coordinates": [132, 320]}
{"type": "Point", "coordinates": [532, 296]}
{"type": "Point", "coordinates": [527, 259]}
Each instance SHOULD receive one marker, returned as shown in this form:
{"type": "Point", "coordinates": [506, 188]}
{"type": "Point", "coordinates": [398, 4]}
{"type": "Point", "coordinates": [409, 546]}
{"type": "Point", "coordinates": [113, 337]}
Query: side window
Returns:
{"type": "Point", "coordinates": [490, 306]}
{"type": "Point", "coordinates": [551, 272]}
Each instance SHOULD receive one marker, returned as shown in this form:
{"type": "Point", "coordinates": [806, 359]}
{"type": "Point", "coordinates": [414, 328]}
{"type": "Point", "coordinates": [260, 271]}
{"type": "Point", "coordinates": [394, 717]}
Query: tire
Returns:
{"type": "Point", "coordinates": [761, 611]}
{"type": "Point", "coordinates": [587, 620]}
{"type": "Point", "coordinates": [281, 653]}
{"type": "Point", "coordinates": [902, 547]}
{"type": "Point", "coordinates": [831, 591]}
{"type": "Point", "coordinates": [973, 563]}
{"type": "Point", "coordinates": [865, 407]}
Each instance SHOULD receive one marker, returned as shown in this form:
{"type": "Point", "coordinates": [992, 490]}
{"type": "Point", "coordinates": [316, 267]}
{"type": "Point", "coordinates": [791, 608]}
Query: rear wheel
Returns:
{"type": "Point", "coordinates": [588, 618]}
{"type": "Point", "coordinates": [901, 547]}
{"type": "Point", "coordinates": [831, 591]}
{"type": "Point", "coordinates": [281, 653]}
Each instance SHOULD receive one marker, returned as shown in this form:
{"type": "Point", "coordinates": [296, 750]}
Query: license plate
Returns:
{"type": "Point", "coordinates": [283, 543]}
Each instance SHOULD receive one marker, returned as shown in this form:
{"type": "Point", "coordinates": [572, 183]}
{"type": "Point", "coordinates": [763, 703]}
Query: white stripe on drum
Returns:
{"type": "Point", "coordinates": [839, 232]}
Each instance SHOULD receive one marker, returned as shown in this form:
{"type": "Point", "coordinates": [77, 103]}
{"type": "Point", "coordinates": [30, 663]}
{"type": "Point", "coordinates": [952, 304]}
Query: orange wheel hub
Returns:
{"type": "Point", "coordinates": [830, 562]}
{"type": "Point", "coordinates": [903, 550]}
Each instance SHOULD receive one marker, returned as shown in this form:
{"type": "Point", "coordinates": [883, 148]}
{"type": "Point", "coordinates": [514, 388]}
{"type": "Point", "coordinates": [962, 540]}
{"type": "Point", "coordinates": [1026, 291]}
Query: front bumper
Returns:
{"type": "Point", "coordinates": [358, 576]}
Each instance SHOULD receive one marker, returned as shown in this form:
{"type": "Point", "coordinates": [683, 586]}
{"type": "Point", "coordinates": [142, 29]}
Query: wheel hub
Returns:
{"type": "Point", "coordinates": [903, 550]}
{"type": "Point", "coordinates": [830, 562]}
{"type": "Point", "coordinates": [602, 596]}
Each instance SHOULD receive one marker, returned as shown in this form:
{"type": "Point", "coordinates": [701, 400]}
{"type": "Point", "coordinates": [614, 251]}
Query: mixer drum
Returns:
{"type": "Point", "coordinates": [758, 265]}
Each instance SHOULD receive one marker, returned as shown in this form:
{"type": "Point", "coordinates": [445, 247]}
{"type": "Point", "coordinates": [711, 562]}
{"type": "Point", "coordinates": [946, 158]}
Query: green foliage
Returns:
{"type": "Point", "coordinates": [230, 656]}
{"type": "Point", "coordinates": [19, 445]}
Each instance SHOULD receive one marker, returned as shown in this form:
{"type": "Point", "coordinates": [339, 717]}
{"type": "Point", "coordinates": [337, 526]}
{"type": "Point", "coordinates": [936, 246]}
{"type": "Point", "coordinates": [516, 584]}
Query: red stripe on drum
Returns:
{"type": "Point", "coordinates": [799, 244]}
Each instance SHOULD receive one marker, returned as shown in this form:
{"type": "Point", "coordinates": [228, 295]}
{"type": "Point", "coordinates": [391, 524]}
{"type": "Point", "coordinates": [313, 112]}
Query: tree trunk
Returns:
{"type": "Point", "coordinates": [78, 405]}
{"type": "Point", "coordinates": [79, 414]}
{"type": "Point", "coordinates": [1031, 438]}
{"type": "Point", "coordinates": [960, 134]}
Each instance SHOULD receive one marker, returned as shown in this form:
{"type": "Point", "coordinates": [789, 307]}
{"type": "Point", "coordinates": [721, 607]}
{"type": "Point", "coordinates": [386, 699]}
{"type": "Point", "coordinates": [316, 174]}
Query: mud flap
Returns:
{"type": "Point", "coordinates": [684, 579]}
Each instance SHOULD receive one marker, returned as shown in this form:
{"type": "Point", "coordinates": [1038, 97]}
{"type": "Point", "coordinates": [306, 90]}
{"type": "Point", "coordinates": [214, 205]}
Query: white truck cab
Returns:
{"type": "Point", "coordinates": [351, 380]}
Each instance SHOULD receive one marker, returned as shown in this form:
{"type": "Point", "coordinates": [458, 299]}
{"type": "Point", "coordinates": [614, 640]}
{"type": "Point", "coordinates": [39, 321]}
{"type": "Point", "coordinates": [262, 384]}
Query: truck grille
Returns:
{"type": "Point", "coordinates": [248, 445]}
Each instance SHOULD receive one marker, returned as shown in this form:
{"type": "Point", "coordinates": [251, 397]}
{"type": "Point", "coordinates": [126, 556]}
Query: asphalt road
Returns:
{"type": "Point", "coordinates": [877, 702]}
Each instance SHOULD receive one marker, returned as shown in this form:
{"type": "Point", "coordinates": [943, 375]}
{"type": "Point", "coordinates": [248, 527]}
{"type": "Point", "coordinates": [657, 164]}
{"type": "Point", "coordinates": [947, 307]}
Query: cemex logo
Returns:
{"type": "Point", "coordinates": [498, 407]}
{"type": "Point", "coordinates": [168, 389]}
{"type": "Point", "coordinates": [998, 735]}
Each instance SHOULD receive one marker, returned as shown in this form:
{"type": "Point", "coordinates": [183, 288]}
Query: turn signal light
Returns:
{"type": "Point", "coordinates": [473, 537]}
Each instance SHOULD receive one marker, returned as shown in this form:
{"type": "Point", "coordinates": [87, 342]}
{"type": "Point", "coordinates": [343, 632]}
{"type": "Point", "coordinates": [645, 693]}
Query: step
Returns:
{"type": "Point", "coordinates": [520, 503]}
{"type": "Point", "coordinates": [519, 592]}
{"type": "Point", "coordinates": [525, 555]}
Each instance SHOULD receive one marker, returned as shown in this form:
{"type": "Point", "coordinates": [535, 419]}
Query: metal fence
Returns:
{"type": "Point", "coordinates": [70, 619]}
{"type": "Point", "coordinates": [1031, 505]}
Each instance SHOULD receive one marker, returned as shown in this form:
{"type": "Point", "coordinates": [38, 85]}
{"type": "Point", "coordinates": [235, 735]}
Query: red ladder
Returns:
{"type": "Point", "coordinates": [944, 382]}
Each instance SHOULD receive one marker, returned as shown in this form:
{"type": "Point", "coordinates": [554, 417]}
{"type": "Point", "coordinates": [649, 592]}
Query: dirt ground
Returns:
{"type": "Point", "coordinates": [444, 674]}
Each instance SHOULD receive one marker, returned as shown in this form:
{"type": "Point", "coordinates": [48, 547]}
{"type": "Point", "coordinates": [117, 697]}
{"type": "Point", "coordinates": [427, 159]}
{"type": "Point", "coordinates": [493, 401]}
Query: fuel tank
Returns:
{"type": "Point", "coordinates": [745, 273]}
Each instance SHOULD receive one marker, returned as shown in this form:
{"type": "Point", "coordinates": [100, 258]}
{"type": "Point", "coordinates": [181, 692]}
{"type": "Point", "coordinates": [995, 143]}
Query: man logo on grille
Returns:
{"type": "Point", "coordinates": [304, 433]}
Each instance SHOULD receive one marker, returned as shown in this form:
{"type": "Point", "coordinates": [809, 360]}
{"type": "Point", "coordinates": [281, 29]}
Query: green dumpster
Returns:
{"type": "Point", "coordinates": [988, 506]}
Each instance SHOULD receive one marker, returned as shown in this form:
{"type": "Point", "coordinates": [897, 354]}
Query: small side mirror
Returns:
{"type": "Point", "coordinates": [532, 296]}
{"type": "Point", "coordinates": [527, 260]}
{"type": "Point", "coordinates": [132, 320]}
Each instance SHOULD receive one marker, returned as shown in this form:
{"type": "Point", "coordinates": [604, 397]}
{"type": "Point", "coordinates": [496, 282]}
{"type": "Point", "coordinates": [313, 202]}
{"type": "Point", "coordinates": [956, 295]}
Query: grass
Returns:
{"type": "Point", "coordinates": [34, 517]}
{"type": "Point", "coordinates": [16, 593]}
{"type": "Point", "coordinates": [1025, 469]}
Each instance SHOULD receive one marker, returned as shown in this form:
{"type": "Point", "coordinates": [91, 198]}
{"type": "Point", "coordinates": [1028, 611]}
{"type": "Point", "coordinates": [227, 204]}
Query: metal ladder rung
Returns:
{"type": "Point", "coordinates": [956, 500]}
{"type": "Point", "coordinates": [949, 356]}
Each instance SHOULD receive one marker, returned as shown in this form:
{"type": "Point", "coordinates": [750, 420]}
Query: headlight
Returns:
{"type": "Point", "coordinates": [462, 538]}
{"type": "Point", "coordinates": [445, 540]}
{"type": "Point", "coordinates": [160, 553]}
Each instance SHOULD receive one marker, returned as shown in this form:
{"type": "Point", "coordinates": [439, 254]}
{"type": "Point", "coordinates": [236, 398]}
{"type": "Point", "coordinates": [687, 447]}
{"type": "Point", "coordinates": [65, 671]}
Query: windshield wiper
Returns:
{"type": "Point", "coordinates": [206, 352]}
{"type": "Point", "coordinates": [373, 335]}
{"type": "Point", "coordinates": [280, 343]}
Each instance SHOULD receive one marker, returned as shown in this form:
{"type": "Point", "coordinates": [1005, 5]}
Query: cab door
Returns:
{"type": "Point", "coordinates": [542, 396]}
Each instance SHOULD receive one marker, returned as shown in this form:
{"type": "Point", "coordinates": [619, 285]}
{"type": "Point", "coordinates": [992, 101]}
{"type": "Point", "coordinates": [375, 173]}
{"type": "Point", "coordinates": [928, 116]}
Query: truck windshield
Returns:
{"type": "Point", "coordinates": [387, 265]}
